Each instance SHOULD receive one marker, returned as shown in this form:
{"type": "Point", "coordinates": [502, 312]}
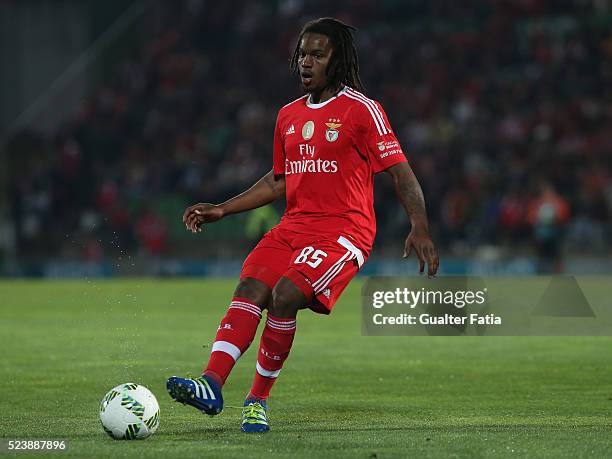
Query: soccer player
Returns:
{"type": "Point", "coordinates": [328, 145]}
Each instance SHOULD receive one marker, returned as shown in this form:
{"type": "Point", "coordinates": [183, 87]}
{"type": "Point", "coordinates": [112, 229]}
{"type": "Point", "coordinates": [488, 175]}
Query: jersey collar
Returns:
{"type": "Point", "coordinates": [310, 104]}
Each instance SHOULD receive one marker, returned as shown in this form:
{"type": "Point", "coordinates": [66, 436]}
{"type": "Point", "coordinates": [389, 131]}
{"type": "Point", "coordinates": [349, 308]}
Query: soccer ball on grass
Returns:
{"type": "Point", "coordinates": [129, 411]}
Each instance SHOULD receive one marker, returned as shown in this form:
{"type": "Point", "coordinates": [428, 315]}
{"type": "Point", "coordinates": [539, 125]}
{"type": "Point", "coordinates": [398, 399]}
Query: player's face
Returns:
{"type": "Point", "coordinates": [314, 56]}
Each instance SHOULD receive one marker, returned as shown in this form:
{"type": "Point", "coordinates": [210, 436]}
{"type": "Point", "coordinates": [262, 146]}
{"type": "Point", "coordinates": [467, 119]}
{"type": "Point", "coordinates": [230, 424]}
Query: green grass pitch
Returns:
{"type": "Point", "coordinates": [64, 344]}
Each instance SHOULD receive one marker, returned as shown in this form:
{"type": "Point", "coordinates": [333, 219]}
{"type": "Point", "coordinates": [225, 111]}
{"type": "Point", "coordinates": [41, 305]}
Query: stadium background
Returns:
{"type": "Point", "coordinates": [116, 115]}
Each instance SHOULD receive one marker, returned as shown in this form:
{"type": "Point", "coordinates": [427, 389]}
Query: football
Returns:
{"type": "Point", "coordinates": [129, 412]}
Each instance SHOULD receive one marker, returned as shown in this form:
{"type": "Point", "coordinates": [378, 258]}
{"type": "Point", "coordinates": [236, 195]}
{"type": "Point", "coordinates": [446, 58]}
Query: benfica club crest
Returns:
{"type": "Point", "coordinates": [332, 131]}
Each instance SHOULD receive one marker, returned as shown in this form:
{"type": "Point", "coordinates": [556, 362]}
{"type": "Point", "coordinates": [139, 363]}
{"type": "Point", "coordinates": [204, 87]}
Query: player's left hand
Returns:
{"type": "Point", "coordinates": [421, 242]}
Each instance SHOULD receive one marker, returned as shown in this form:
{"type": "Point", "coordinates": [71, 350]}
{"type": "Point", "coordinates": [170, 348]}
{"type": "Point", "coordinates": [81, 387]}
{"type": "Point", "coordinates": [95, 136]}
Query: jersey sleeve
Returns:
{"type": "Point", "coordinates": [278, 151]}
{"type": "Point", "coordinates": [378, 142]}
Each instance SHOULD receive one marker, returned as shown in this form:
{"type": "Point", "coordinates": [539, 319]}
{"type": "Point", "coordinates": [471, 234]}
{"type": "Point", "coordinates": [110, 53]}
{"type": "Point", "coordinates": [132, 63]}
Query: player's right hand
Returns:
{"type": "Point", "coordinates": [198, 214]}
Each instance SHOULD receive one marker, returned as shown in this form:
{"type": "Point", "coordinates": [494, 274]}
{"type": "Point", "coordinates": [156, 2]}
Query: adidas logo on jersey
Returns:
{"type": "Point", "coordinates": [291, 130]}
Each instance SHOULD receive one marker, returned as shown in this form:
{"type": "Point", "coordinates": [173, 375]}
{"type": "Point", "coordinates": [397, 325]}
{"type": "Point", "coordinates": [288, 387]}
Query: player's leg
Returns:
{"type": "Point", "coordinates": [278, 334]}
{"type": "Point", "coordinates": [234, 335]}
{"type": "Point", "coordinates": [318, 274]}
{"type": "Point", "coordinates": [316, 286]}
{"type": "Point", "coordinates": [259, 274]}
{"type": "Point", "coordinates": [275, 345]}
{"type": "Point", "coordinates": [238, 327]}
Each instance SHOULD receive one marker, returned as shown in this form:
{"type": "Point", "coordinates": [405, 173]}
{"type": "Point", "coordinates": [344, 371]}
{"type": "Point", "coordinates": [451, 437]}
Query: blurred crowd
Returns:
{"type": "Point", "coordinates": [504, 109]}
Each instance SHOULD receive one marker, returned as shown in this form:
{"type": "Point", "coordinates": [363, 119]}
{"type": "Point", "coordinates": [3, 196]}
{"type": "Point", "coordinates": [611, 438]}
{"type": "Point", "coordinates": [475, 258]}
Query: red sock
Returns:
{"type": "Point", "coordinates": [234, 337]}
{"type": "Point", "coordinates": [276, 341]}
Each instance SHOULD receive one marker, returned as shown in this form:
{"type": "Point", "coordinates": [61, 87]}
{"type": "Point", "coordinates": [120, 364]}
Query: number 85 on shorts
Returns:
{"type": "Point", "coordinates": [324, 266]}
{"type": "Point", "coordinates": [313, 257]}
{"type": "Point", "coordinates": [326, 262]}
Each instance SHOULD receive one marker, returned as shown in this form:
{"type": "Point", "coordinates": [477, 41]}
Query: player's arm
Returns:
{"type": "Point", "coordinates": [269, 188]}
{"type": "Point", "coordinates": [409, 192]}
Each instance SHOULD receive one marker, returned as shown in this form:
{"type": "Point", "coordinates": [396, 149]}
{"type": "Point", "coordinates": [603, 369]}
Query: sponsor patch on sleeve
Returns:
{"type": "Point", "coordinates": [388, 148]}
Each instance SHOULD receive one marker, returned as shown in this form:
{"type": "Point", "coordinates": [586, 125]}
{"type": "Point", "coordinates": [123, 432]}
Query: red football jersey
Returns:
{"type": "Point", "coordinates": [329, 153]}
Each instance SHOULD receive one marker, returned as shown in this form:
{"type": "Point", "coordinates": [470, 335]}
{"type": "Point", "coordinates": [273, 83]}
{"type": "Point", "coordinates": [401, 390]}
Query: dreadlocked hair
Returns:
{"type": "Point", "coordinates": [344, 65]}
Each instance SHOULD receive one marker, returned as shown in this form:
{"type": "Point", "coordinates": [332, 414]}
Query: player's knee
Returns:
{"type": "Point", "coordinates": [281, 305]}
{"type": "Point", "coordinates": [286, 300]}
{"type": "Point", "coordinates": [255, 291]}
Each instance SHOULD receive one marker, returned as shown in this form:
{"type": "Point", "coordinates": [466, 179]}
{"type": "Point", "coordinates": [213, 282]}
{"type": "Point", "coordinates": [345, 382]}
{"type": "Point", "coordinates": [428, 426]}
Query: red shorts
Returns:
{"type": "Point", "coordinates": [320, 266]}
